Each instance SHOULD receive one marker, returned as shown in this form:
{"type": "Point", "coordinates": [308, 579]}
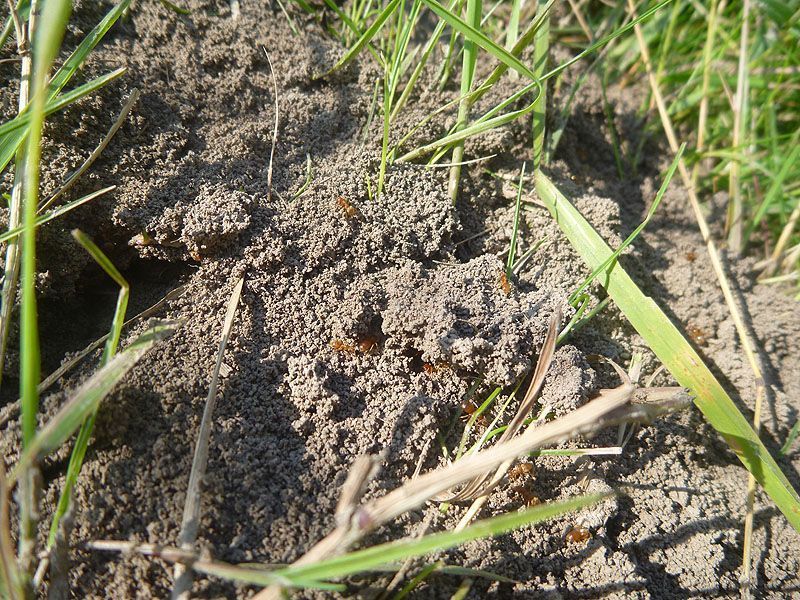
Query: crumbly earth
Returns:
{"type": "Point", "coordinates": [365, 320]}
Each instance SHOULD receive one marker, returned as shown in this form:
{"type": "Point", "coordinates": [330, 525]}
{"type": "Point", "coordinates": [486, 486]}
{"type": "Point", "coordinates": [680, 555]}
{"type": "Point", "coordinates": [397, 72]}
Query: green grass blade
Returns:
{"type": "Point", "coordinates": [355, 29]}
{"type": "Point", "coordinates": [793, 433]}
{"type": "Point", "coordinates": [467, 74]}
{"type": "Point", "coordinates": [674, 352]}
{"type": "Point", "coordinates": [42, 219]}
{"type": "Point", "coordinates": [541, 52]}
{"type": "Point", "coordinates": [513, 24]}
{"type": "Point", "coordinates": [605, 40]}
{"type": "Point", "coordinates": [479, 39]}
{"type": "Point", "coordinates": [512, 251]}
{"type": "Point", "coordinates": [477, 127]}
{"type": "Point", "coordinates": [47, 38]}
{"type": "Point", "coordinates": [417, 580]}
{"type": "Point", "coordinates": [85, 433]}
{"type": "Point", "coordinates": [9, 144]}
{"type": "Point", "coordinates": [365, 38]}
{"type": "Point", "coordinates": [88, 396]}
{"type": "Point", "coordinates": [16, 129]}
{"type": "Point", "coordinates": [62, 101]}
{"type": "Point", "coordinates": [361, 560]}
{"type": "Point", "coordinates": [635, 233]}
{"type": "Point", "coordinates": [78, 56]}
{"type": "Point", "coordinates": [122, 301]}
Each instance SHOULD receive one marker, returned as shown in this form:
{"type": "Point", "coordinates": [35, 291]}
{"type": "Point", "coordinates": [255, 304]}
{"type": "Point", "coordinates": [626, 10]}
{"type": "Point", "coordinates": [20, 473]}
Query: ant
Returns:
{"type": "Point", "coordinates": [434, 369]}
{"type": "Point", "coordinates": [469, 409]}
{"type": "Point", "coordinates": [342, 346]}
{"type": "Point", "coordinates": [527, 496]}
{"type": "Point", "coordinates": [349, 210]}
{"type": "Point", "coordinates": [367, 343]}
{"type": "Point", "coordinates": [520, 470]}
{"type": "Point", "coordinates": [578, 534]}
{"type": "Point", "coordinates": [698, 335]}
{"type": "Point", "coordinates": [504, 283]}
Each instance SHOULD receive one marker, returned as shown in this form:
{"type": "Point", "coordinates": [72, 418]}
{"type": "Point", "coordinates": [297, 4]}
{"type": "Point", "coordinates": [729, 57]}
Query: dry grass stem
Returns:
{"type": "Point", "coordinates": [476, 487]}
{"type": "Point", "coordinates": [275, 128]}
{"type": "Point", "coordinates": [11, 410]}
{"type": "Point", "coordinates": [126, 109]}
{"type": "Point", "coordinates": [191, 510]}
{"type": "Point", "coordinates": [719, 270]}
{"type": "Point", "coordinates": [610, 408]}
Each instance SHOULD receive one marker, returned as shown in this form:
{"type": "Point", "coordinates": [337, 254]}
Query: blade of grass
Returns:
{"type": "Point", "coordinates": [87, 397]}
{"type": "Point", "coordinates": [674, 352]}
{"type": "Point", "coordinates": [541, 50]}
{"type": "Point", "coordinates": [112, 342]}
{"type": "Point", "coordinates": [420, 577]}
{"type": "Point", "coordinates": [11, 267]}
{"type": "Point", "coordinates": [126, 109]}
{"type": "Point", "coordinates": [793, 433]}
{"type": "Point", "coordinates": [315, 575]}
{"type": "Point", "coordinates": [13, 132]}
{"type": "Point", "coordinates": [190, 523]}
{"type": "Point", "coordinates": [512, 251]}
{"type": "Point", "coordinates": [490, 119]}
{"type": "Point", "coordinates": [740, 110]}
{"type": "Point", "coordinates": [47, 37]}
{"type": "Point", "coordinates": [513, 24]}
{"type": "Point", "coordinates": [63, 75]}
{"type": "Point", "coordinates": [365, 38]}
{"type": "Point", "coordinates": [476, 37]}
{"type": "Point", "coordinates": [467, 73]}
{"type": "Point", "coordinates": [390, 83]}
{"type": "Point", "coordinates": [635, 233]}
{"type": "Point", "coordinates": [360, 560]}
{"type": "Point", "coordinates": [784, 498]}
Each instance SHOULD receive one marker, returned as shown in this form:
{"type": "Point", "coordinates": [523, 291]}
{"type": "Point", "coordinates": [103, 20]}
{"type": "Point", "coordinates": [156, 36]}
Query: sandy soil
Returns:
{"type": "Point", "coordinates": [410, 275]}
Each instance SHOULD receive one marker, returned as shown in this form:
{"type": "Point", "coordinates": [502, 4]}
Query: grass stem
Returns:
{"type": "Point", "coordinates": [467, 74]}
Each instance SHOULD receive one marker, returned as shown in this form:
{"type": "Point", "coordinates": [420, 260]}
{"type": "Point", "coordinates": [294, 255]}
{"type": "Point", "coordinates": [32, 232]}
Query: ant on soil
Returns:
{"type": "Point", "coordinates": [520, 470]}
{"type": "Point", "coordinates": [350, 211]}
{"type": "Point", "coordinates": [434, 369]}
{"type": "Point", "coordinates": [517, 473]}
{"type": "Point", "coordinates": [342, 346]}
{"type": "Point", "coordinates": [697, 335]}
{"type": "Point", "coordinates": [504, 283]}
{"type": "Point", "coordinates": [527, 496]}
{"type": "Point", "coordinates": [366, 345]}
{"type": "Point", "coordinates": [469, 409]}
{"type": "Point", "coordinates": [578, 534]}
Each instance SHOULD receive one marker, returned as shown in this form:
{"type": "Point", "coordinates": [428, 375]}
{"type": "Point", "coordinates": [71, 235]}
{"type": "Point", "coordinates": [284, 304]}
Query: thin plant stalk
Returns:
{"type": "Point", "coordinates": [541, 50]}
{"type": "Point", "coordinates": [11, 276]}
{"type": "Point", "coordinates": [513, 26]}
{"type": "Point", "coordinates": [512, 250]}
{"type": "Point", "coordinates": [46, 37]}
{"type": "Point", "coordinates": [735, 209]}
{"type": "Point", "coordinates": [467, 74]}
{"type": "Point", "coordinates": [110, 349]}
{"type": "Point", "coordinates": [190, 523]}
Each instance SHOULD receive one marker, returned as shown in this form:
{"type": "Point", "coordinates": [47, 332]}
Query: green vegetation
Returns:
{"type": "Point", "coordinates": [730, 77]}
{"type": "Point", "coordinates": [729, 72]}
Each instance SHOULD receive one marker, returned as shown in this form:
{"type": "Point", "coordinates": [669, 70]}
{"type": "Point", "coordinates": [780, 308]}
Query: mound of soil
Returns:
{"type": "Point", "coordinates": [365, 320]}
